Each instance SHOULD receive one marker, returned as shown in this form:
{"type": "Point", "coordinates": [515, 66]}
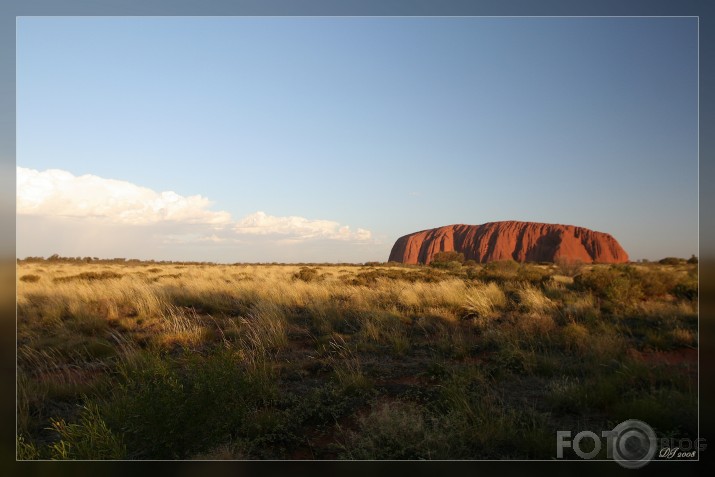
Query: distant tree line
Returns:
{"type": "Point", "coordinates": [56, 258]}
{"type": "Point", "coordinates": [677, 261]}
{"type": "Point", "coordinates": [440, 260]}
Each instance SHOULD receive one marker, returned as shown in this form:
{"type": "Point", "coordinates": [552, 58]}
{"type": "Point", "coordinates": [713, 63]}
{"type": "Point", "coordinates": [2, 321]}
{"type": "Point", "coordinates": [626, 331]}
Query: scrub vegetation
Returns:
{"type": "Point", "coordinates": [147, 360]}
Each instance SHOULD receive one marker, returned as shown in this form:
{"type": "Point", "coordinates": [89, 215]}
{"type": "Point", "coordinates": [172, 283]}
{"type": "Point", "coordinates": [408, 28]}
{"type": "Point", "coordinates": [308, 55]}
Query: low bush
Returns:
{"type": "Point", "coordinates": [569, 267]}
{"type": "Point", "coordinates": [168, 409]}
{"type": "Point", "coordinates": [306, 274]}
{"type": "Point", "coordinates": [531, 274]}
{"type": "Point", "coordinates": [686, 290]}
{"type": "Point", "coordinates": [445, 257]}
{"type": "Point", "coordinates": [89, 276]}
{"type": "Point", "coordinates": [372, 277]}
{"type": "Point", "coordinates": [499, 271]}
{"type": "Point", "coordinates": [623, 286]}
{"type": "Point", "coordinates": [618, 286]}
{"type": "Point", "coordinates": [656, 283]}
{"type": "Point", "coordinates": [451, 265]}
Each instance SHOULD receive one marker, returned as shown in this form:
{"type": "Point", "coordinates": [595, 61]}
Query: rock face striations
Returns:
{"type": "Point", "coordinates": [511, 240]}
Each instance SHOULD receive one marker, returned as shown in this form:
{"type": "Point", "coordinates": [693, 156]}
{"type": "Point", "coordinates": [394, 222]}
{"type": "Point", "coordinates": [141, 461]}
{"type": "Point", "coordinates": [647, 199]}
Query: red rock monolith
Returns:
{"type": "Point", "coordinates": [510, 240]}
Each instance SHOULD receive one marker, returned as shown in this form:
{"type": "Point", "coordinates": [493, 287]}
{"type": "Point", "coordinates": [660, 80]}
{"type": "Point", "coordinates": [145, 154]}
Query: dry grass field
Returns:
{"type": "Point", "coordinates": [202, 361]}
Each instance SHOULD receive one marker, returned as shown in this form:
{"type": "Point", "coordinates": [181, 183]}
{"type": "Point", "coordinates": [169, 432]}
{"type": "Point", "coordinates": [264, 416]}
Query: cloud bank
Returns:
{"type": "Point", "coordinates": [58, 193]}
{"type": "Point", "coordinates": [301, 228]}
{"type": "Point", "coordinates": [163, 217]}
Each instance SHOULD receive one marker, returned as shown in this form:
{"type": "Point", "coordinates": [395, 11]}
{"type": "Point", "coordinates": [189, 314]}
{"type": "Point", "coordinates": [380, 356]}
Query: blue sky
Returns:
{"type": "Point", "coordinates": [325, 139]}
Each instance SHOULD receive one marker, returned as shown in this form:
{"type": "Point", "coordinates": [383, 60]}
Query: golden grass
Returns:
{"type": "Point", "coordinates": [181, 325]}
{"type": "Point", "coordinates": [376, 329]}
{"type": "Point", "coordinates": [533, 300]}
{"type": "Point", "coordinates": [265, 327]}
{"type": "Point", "coordinates": [536, 324]}
{"type": "Point", "coordinates": [683, 337]}
{"type": "Point", "coordinates": [576, 336]}
{"type": "Point", "coordinates": [580, 307]}
{"type": "Point", "coordinates": [346, 364]}
{"type": "Point", "coordinates": [254, 306]}
{"type": "Point", "coordinates": [485, 301]}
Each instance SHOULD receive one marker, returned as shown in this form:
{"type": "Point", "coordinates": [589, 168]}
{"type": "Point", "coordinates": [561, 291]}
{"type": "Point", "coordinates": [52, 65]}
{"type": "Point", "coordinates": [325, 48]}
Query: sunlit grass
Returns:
{"type": "Point", "coordinates": [339, 361]}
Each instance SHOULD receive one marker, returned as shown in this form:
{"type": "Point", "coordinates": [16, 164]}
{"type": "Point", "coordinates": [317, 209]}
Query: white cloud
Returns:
{"type": "Point", "coordinates": [175, 219]}
{"type": "Point", "coordinates": [59, 193]}
{"type": "Point", "coordinates": [298, 228]}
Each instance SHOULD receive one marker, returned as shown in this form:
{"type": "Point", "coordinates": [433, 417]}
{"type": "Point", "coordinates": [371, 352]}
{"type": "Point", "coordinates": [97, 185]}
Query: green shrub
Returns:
{"type": "Point", "coordinates": [531, 274]}
{"type": "Point", "coordinates": [170, 410]}
{"type": "Point", "coordinates": [444, 257]}
{"type": "Point", "coordinates": [90, 439]}
{"type": "Point", "coordinates": [686, 290]}
{"type": "Point", "coordinates": [623, 291]}
{"type": "Point", "coordinates": [596, 281]}
{"type": "Point", "coordinates": [473, 419]}
{"type": "Point", "coordinates": [656, 283]}
{"type": "Point", "coordinates": [452, 265]}
{"type": "Point", "coordinates": [622, 286]}
{"type": "Point", "coordinates": [499, 271]}
{"type": "Point", "coordinates": [447, 260]}
{"type": "Point", "coordinates": [619, 286]}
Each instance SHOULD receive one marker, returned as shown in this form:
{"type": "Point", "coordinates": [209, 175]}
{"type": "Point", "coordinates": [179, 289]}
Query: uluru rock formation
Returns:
{"type": "Point", "coordinates": [510, 240]}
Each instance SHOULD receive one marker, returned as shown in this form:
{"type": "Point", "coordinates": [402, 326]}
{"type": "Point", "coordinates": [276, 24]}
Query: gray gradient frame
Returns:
{"type": "Point", "coordinates": [10, 9]}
